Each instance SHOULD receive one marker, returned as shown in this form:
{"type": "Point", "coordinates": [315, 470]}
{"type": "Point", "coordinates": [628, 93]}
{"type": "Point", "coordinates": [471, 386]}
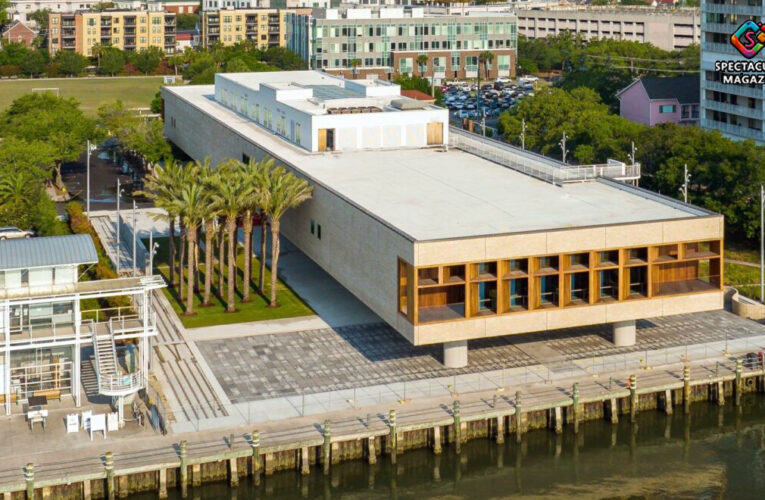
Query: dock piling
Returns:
{"type": "Point", "coordinates": [162, 480]}
{"type": "Point", "coordinates": [29, 476]}
{"type": "Point", "coordinates": [109, 466]}
{"type": "Point", "coordinates": [327, 448]}
{"type": "Point", "coordinates": [668, 402]}
{"type": "Point", "coordinates": [575, 406]}
{"type": "Point", "coordinates": [500, 437]}
{"type": "Point", "coordinates": [184, 469]}
{"type": "Point", "coordinates": [558, 419]}
{"type": "Point", "coordinates": [720, 393]}
{"type": "Point", "coordinates": [518, 418]}
{"type": "Point", "coordinates": [437, 440]}
{"type": "Point", "coordinates": [255, 444]}
{"type": "Point", "coordinates": [393, 436]}
{"type": "Point", "coordinates": [371, 451]}
{"type": "Point", "coordinates": [457, 426]}
{"type": "Point", "coordinates": [233, 472]}
{"type": "Point", "coordinates": [633, 397]}
{"type": "Point", "coordinates": [686, 389]}
{"type": "Point", "coordinates": [739, 386]}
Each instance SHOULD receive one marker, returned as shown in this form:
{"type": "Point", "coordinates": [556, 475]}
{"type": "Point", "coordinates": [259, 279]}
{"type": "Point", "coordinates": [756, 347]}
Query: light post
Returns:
{"type": "Point", "coordinates": [135, 232]}
{"type": "Point", "coordinates": [686, 180]}
{"type": "Point", "coordinates": [88, 150]}
{"type": "Point", "coordinates": [152, 252]}
{"type": "Point", "coordinates": [523, 133]}
{"type": "Point", "coordinates": [117, 235]}
{"type": "Point", "coordinates": [563, 149]}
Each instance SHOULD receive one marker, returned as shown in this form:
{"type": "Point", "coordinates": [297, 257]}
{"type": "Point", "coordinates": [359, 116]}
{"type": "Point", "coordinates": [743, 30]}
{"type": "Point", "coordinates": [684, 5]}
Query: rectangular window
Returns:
{"type": "Point", "coordinates": [403, 289]}
{"type": "Point", "coordinates": [318, 231]}
{"type": "Point", "coordinates": [312, 226]}
{"type": "Point", "coordinates": [298, 139]}
{"type": "Point", "coordinates": [667, 108]}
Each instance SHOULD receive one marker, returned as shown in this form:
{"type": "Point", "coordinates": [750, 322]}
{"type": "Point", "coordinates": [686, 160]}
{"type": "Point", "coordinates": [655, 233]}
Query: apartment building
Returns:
{"type": "Point", "coordinates": [51, 342]}
{"type": "Point", "coordinates": [20, 9]}
{"type": "Point", "coordinates": [668, 29]}
{"type": "Point", "coordinates": [265, 27]}
{"type": "Point", "coordinates": [263, 4]}
{"type": "Point", "coordinates": [736, 110]}
{"type": "Point", "coordinates": [125, 30]}
{"type": "Point", "coordinates": [384, 42]}
{"type": "Point", "coordinates": [448, 244]}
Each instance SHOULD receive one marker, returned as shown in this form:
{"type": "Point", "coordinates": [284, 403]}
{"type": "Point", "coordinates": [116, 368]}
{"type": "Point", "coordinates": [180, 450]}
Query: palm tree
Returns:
{"type": "Point", "coordinates": [422, 61]}
{"type": "Point", "coordinates": [193, 203]}
{"type": "Point", "coordinates": [163, 186]}
{"type": "Point", "coordinates": [486, 57]}
{"type": "Point", "coordinates": [254, 175]}
{"type": "Point", "coordinates": [15, 188]}
{"type": "Point", "coordinates": [229, 197]}
{"type": "Point", "coordinates": [355, 63]}
{"type": "Point", "coordinates": [209, 179]}
{"type": "Point", "coordinates": [285, 191]}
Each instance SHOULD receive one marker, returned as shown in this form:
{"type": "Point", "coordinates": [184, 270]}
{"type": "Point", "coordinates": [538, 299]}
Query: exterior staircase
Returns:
{"type": "Point", "coordinates": [111, 382]}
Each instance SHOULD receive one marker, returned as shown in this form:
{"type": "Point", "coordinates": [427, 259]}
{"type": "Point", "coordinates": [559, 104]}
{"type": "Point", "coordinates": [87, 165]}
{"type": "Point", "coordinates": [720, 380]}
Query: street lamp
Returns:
{"type": "Point", "coordinates": [88, 150]}
{"type": "Point", "coordinates": [117, 231]}
{"type": "Point", "coordinates": [686, 180]}
{"type": "Point", "coordinates": [153, 247]}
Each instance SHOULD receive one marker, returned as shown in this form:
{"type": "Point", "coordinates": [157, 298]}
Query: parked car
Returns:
{"type": "Point", "coordinates": [463, 113]}
{"type": "Point", "coordinates": [12, 232]}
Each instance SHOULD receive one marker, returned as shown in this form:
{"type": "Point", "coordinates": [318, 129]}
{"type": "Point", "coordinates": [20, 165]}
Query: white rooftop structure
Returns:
{"type": "Point", "coordinates": [321, 112]}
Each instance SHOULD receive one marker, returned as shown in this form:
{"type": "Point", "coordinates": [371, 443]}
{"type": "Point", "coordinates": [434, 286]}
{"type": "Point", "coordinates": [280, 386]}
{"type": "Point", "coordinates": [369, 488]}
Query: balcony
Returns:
{"type": "Point", "coordinates": [169, 20]}
{"type": "Point", "coordinates": [68, 33]}
{"type": "Point", "coordinates": [738, 131]}
{"type": "Point", "coordinates": [733, 109]}
{"type": "Point", "coordinates": [739, 90]}
{"type": "Point", "coordinates": [747, 10]}
{"type": "Point", "coordinates": [129, 31]}
{"type": "Point", "coordinates": [213, 21]}
{"type": "Point", "coordinates": [120, 385]}
{"type": "Point", "coordinates": [723, 48]}
{"type": "Point", "coordinates": [130, 21]}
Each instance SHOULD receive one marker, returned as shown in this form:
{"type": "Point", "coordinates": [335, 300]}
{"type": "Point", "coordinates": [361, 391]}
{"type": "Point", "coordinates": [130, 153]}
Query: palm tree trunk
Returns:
{"type": "Point", "coordinates": [190, 276]}
{"type": "Point", "coordinates": [209, 251]}
{"type": "Point", "coordinates": [274, 260]}
{"type": "Point", "coordinates": [182, 257]}
{"type": "Point", "coordinates": [231, 227]}
{"type": "Point", "coordinates": [263, 246]}
{"type": "Point", "coordinates": [247, 230]}
{"type": "Point", "coordinates": [221, 259]}
{"type": "Point", "coordinates": [197, 237]}
{"type": "Point", "coordinates": [172, 251]}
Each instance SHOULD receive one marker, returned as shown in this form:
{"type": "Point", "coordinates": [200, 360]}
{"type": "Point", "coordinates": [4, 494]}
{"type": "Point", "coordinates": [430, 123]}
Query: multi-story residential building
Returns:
{"type": "Point", "coordinates": [50, 343]}
{"type": "Point", "coordinates": [384, 42]}
{"type": "Point", "coordinates": [174, 6]}
{"type": "Point", "coordinates": [668, 29]}
{"type": "Point", "coordinates": [736, 110]}
{"type": "Point", "coordinates": [265, 27]}
{"type": "Point", "coordinates": [126, 30]}
{"type": "Point", "coordinates": [263, 4]}
{"type": "Point", "coordinates": [448, 236]}
{"type": "Point", "coordinates": [20, 9]}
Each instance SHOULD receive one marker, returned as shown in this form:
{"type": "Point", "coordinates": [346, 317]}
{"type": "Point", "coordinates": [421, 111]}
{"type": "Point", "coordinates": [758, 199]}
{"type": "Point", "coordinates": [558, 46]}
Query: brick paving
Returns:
{"type": "Point", "coordinates": [307, 362]}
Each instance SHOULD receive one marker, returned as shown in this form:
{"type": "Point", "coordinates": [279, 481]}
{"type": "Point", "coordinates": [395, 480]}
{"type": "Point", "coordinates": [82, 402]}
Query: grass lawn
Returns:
{"type": "Point", "coordinates": [737, 251]}
{"type": "Point", "coordinates": [291, 306]}
{"type": "Point", "coordinates": [91, 92]}
{"type": "Point", "coordinates": [745, 278]}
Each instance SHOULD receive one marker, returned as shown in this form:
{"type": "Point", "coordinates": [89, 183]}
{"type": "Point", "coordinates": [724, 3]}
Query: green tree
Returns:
{"type": "Point", "coordinates": [422, 63]}
{"type": "Point", "coordinates": [148, 60]}
{"type": "Point", "coordinates": [256, 176]}
{"type": "Point", "coordinates": [39, 16]}
{"type": "Point", "coordinates": [4, 6]}
{"type": "Point", "coordinates": [285, 191]}
{"type": "Point", "coordinates": [111, 61]}
{"type": "Point", "coordinates": [186, 21]}
{"type": "Point", "coordinates": [486, 57]}
{"type": "Point", "coordinates": [237, 65]}
{"type": "Point", "coordinates": [193, 206]}
{"type": "Point", "coordinates": [56, 121]}
{"type": "Point", "coordinates": [33, 64]}
{"type": "Point", "coordinates": [71, 63]}
{"type": "Point", "coordinates": [354, 63]}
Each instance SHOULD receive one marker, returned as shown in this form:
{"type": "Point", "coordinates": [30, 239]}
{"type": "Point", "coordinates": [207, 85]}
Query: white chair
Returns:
{"type": "Point", "coordinates": [72, 423]}
{"type": "Point", "coordinates": [86, 416]}
{"type": "Point", "coordinates": [112, 422]}
{"type": "Point", "coordinates": [98, 423]}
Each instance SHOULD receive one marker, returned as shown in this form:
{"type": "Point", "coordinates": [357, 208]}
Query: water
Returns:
{"type": "Point", "coordinates": [713, 453]}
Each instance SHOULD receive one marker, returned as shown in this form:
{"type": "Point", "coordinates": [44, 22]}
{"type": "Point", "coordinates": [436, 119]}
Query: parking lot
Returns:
{"type": "Point", "coordinates": [466, 100]}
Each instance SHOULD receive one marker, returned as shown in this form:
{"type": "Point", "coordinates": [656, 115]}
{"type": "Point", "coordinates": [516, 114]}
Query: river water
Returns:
{"type": "Point", "coordinates": [712, 453]}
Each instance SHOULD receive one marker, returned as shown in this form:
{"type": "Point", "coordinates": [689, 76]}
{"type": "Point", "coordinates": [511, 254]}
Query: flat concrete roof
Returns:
{"type": "Point", "coordinates": [428, 194]}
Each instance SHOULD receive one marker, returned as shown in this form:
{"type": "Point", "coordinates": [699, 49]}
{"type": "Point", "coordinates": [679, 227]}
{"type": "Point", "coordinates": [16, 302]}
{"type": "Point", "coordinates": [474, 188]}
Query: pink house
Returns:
{"type": "Point", "coordinates": [661, 100]}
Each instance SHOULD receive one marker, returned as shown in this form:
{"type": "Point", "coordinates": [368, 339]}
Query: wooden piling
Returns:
{"type": "Point", "coordinates": [500, 429]}
{"type": "Point", "coordinates": [184, 472]}
{"type": "Point", "coordinates": [196, 474]}
{"type": "Point", "coordinates": [633, 397]}
{"type": "Point", "coordinates": [326, 448]}
{"type": "Point", "coordinates": [739, 382]}
{"type": "Point", "coordinates": [305, 463]}
{"type": "Point", "coordinates": [437, 440]}
{"type": "Point", "coordinates": [518, 418]}
{"type": "Point", "coordinates": [268, 462]}
{"type": "Point", "coordinates": [457, 426]}
{"type": "Point", "coordinates": [109, 466]}
{"type": "Point", "coordinates": [46, 493]}
{"type": "Point", "coordinates": [686, 389]}
{"type": "Point", "coordinates": [613, 410]}
{"type": "Point", "coordinates": [393, 436]}
{"type": "Point", "coordinates": [162, 483]}
{"type": "Point", "coordinates": [668, 402]}
{"type": "Point", "coordinates": [575, 406]}
{"type": "Point", "coordinates": [233, 473]}
{"type": "Point", "coordinates": [720, 393]}
{"type": "Point", "coordinates": [558, 419]}
{"type": "Point", "coordinates": [122, 486]}
{"type": "Point", "coordinates": [29, 477]}
{"type": "Point", "coordinates": [86, 494]}
{"type": "Point", "coordinates": [255, 445]}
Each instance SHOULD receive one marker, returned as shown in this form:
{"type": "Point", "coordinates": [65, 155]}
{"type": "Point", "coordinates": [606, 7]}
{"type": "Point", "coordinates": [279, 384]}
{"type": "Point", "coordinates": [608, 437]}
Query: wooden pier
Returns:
{"type": "Point", "coordinates": [310, 446]}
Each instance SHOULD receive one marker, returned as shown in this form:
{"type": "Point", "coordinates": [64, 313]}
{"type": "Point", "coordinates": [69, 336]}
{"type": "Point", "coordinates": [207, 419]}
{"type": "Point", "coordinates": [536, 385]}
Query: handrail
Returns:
{"type": "Point", "coordinates": [120, 383]}
{"type": "Point", "coordinates": [537, 165]}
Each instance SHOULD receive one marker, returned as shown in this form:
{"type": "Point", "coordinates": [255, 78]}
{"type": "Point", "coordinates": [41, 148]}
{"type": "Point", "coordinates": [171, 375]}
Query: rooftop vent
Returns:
{"type": "Point", "coordinates": [353, 110]}
{"type": "Point", "coordinates": [407, 104]}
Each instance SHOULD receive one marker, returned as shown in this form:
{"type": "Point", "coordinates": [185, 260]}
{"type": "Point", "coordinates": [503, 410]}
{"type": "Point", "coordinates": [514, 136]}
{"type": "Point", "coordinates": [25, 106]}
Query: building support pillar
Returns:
{"type": "Point", "coordinates": [456, 354]}
{"type": "Point", "coordinates": [624, 333]}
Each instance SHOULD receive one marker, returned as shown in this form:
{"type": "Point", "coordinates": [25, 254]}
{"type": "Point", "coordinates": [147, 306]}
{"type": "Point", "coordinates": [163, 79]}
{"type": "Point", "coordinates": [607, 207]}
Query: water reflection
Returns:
{"type": "Point", "coordinates": [711, 452]}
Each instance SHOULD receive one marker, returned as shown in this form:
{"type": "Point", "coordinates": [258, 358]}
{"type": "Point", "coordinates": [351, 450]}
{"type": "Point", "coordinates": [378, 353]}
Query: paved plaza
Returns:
{"type": "Point", "coordinates": [287, 364]}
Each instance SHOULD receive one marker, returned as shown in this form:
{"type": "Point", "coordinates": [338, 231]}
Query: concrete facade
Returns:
{"type": "Point", "coordinates": [360, 234]}
{"type": "Point", "coordinates": [736, 110]}
{"type": "Point", "coordinates": [667, 29]}
{"type": "Point", "coordinates": [384, 42]}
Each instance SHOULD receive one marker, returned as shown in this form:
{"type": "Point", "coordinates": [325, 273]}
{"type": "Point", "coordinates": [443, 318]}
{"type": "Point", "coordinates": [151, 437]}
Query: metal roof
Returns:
{"type": "Point", "coordinates": [47, 251]}
{"type": "Point", "coordinates": [330, 92]}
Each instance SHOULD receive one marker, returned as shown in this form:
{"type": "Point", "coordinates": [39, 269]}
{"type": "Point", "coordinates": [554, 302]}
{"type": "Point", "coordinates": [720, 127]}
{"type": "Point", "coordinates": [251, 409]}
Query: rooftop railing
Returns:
{"type": "Point", "coordinates": [536, 165]}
